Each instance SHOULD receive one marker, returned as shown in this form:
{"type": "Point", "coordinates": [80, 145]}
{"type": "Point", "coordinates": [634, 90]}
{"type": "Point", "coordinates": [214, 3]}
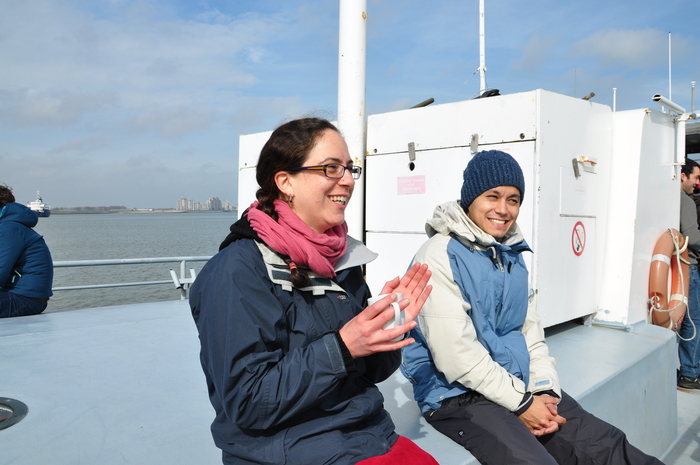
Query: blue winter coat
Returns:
{"type": "Point", "coordinates": [26, 267]}
{"type": "Point", "coordinates": [275, 373]}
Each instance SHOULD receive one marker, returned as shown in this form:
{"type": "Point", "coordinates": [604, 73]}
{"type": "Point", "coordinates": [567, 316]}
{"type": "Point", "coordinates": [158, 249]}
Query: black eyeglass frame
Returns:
{"type": "Point", "coordinates": [355, 171]}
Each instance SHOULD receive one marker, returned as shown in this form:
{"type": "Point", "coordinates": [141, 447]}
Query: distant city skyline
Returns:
{"type": "Point", "coordinates": [213, 203]}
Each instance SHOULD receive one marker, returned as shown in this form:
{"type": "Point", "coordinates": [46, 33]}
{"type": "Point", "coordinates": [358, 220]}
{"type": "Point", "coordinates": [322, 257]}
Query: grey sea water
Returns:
{"type": "Point", "coordinates": [127, 235]}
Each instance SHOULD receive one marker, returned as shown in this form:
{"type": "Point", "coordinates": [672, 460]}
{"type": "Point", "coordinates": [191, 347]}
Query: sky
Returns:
{"type": "Point", "coordinates": [139, 103]}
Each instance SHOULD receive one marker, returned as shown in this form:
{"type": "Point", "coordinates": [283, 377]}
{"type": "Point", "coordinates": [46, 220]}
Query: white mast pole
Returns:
{"type": "Point", "coordinates": [670, 93]}
{"type": "Point", "coordinates": [352, 120]}
{"type": "Point", "coordinates": [614, 98]}
{"type": "Point", "coordinates": [482, 48]}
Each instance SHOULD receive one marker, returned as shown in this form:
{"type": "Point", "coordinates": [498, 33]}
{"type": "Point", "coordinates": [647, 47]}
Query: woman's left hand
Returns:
{"type": "Point", "coordinates": [413, 287]}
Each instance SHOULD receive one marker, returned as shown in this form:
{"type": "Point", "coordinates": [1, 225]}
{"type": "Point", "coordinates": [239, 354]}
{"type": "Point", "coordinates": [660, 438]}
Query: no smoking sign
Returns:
{"type": "Point", "coordinates": [578, 239]}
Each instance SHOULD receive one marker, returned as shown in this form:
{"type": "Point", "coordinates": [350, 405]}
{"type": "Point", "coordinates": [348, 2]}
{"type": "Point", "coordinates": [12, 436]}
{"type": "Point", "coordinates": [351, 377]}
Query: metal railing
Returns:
{"type": "Point", "coordinates": [180, 282]}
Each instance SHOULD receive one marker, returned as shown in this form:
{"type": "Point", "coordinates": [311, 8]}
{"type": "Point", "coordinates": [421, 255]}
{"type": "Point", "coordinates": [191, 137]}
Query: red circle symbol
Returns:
{"type": "Point", "coordinates": [578, 238]}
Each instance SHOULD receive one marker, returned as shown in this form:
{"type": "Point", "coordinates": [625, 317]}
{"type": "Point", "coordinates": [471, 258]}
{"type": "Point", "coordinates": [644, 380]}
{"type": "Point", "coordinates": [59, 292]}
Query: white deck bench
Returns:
{"type": "Point", "coordinates": [625, 378]}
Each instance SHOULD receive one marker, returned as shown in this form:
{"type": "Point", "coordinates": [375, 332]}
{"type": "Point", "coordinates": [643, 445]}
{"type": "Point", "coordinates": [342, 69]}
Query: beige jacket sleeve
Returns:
{"type": "Point", "coordinates": [543, 371]}
{"type": "Point", "coordinates": [452, 339]}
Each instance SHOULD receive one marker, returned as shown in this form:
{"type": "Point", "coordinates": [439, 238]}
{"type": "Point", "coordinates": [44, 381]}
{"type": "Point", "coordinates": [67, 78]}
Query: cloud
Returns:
{"type": "Point", "coordinates": [65, 58]}
{"type": "Point", "coordinates": [612, 48]}
{"type": "Point", "coordinates": [255, 113]}
{"type": "Point", "coordinates": [139, 181]}
{"type": "Point", "coordinates": [537, 52]}
{"type": "Point", "coordinates": [170, 121]}
{"type": "Point", "coordinates": [80, 145]}
{"type": "Point", "coordinates": [25, 107]}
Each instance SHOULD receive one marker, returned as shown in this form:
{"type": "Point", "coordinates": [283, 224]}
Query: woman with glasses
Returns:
{"type": "Point", "coordinates": [290, 349]}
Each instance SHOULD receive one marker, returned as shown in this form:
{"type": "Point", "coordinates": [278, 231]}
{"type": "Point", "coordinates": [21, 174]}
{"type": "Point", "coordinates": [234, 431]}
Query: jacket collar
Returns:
{"type": "Point", "coordinates": [450, 219]}
{"type": "Point", "coordinates": [278, 271]}
{"type": "Point", "coordinates": [357, 254]}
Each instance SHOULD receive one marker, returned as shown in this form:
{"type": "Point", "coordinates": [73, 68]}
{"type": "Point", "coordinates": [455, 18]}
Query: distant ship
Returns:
{"type": "Point", "coordinates": [39, 207]}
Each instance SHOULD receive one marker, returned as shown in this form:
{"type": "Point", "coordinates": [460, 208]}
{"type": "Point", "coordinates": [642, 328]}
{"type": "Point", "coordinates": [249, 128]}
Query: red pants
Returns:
{"type": "Point", "coordinates": [403, 452]}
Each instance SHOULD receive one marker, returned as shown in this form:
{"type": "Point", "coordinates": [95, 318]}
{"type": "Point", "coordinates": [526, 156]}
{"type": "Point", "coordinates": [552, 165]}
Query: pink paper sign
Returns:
{"type": "Point", "coordinates": [411, 185]}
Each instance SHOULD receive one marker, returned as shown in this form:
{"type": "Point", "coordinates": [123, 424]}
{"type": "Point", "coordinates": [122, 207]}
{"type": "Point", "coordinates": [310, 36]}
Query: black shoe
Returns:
{"type": "Point", "coordinates": [685, 382]}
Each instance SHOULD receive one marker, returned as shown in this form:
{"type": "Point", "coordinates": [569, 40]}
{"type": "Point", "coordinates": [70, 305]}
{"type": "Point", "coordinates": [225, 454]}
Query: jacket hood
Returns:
{"type": "Point", "coordinates": [20, 214]}
{"type": "Point", "coordinates": [241, 229]}
{"type": "Point", "coordinates": [450, 219]}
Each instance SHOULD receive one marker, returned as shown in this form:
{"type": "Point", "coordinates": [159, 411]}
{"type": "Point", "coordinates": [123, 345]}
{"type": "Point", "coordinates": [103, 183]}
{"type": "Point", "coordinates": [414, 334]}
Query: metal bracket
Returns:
{"type": "Point", "coordinates": [412, 151]}
{"type": "Point", "coordinates": [586, 163]}
{"type": "Point", "coordinates": [577, 172]}
{"type": "Point", "coordinates": [181, 281]}
{"type": "Point", "coordinates": [474, 144]}
{"type": "Point", "coordinates": [613, 325]}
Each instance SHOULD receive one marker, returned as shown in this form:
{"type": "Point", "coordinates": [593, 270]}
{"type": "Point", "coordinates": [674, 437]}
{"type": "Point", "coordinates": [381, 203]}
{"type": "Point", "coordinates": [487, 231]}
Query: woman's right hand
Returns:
{"type": "Point", "coordinates": [364, 335]}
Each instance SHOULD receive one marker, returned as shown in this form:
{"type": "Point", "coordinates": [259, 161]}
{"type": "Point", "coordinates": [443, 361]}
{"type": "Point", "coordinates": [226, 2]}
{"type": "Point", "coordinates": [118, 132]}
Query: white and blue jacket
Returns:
{"type": "Point", "coordinates": [477, 330]}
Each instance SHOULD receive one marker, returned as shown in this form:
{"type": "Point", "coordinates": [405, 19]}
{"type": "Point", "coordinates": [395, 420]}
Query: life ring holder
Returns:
{"type": "Point", "coordinates": [665, 311]}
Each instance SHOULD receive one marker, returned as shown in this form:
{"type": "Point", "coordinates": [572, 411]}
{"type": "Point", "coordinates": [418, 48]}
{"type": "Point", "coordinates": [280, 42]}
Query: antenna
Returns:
{"type": "Point", "coordinates": [482, 47]}
{"type": "Point", "coordinates": [670, 93]}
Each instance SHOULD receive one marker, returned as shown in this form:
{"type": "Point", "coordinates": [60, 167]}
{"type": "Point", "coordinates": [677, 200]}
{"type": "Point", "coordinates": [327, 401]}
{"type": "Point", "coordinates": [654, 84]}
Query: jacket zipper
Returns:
{"type": "Point", "coordinates": [496, 261]}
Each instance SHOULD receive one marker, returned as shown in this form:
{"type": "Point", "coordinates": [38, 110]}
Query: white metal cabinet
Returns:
{"type": "Point", "coordinates": [545, 133]}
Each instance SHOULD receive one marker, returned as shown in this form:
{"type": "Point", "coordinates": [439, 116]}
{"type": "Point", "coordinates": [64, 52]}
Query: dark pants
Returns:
{"type": "Point", "coordinates": [689, 346]}
{"type": "Point", "coordinates": [494, 435]}
{"type": "Point", "coordinates": [16, 305]}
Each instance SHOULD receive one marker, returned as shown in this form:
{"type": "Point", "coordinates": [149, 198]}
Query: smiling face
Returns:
{"type": "Point", "coordinates": [496, 210]}
{"type": "Point", "coordinates": [688, 183]}
{"type": "Point", "coordinates": [318, 200]}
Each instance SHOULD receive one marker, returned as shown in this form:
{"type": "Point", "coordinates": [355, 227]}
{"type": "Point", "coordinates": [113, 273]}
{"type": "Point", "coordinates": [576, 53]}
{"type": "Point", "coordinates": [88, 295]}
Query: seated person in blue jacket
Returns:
{"type": "Point", "coordinates": [480, 368]}
{"type": "Point", "coordinates": [291, 351]}
{"type": "Point", "coordinates": [26, 267]}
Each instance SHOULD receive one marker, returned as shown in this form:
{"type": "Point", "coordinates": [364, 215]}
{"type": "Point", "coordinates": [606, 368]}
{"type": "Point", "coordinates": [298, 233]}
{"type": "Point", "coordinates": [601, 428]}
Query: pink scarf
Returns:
{"type": "Point", "coordinates": [291, 236]}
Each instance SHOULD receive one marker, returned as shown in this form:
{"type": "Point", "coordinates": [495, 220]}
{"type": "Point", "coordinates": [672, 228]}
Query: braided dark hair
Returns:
{"type": "Point", "coordinates": [288, 147]}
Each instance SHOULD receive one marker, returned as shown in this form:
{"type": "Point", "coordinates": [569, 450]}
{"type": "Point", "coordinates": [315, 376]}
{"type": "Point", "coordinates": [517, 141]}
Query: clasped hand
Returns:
{"type": "Point", "coordinates": [542, 417]}
{"type": "Point", "coordinates": [363, 335]}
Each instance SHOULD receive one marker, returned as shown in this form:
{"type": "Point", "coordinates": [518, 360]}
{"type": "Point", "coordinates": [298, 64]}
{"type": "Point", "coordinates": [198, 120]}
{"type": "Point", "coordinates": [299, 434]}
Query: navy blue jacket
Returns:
{"type": "Point", "coordinates": [26, 267]}
{"type": "Point", "coordinates": [274, 369]}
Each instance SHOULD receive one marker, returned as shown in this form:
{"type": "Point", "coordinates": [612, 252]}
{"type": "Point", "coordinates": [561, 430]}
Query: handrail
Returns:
{"type": "Point", "coordinates": [179, 283]}
{"type": "Point", "coordinates": [130, 261]}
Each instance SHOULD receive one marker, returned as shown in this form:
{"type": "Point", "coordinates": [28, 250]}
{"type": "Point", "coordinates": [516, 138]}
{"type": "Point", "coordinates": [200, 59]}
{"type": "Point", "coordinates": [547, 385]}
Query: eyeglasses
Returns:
{"type": "Point", "coordinates": [333, 170]}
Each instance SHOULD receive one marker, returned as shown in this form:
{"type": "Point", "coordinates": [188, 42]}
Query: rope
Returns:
{"type": "Point", "coordinates": [687, 307]}
{"type": "Point", "coordinates": [680, 298]}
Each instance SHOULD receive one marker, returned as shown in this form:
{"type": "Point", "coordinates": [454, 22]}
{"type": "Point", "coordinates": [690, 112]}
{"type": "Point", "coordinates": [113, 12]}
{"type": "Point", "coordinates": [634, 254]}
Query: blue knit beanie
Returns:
{"type": "Point", "coordinates": [489, 169]}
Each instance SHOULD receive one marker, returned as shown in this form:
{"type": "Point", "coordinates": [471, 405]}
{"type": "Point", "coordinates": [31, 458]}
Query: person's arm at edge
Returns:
{"type": "Point", "coordinates": [689, 223]}
{"type": "Point", "coordinates": [10, 249]}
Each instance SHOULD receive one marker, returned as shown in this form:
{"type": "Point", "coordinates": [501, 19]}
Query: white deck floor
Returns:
{"type": "Point", "coordinates": [123, 385]}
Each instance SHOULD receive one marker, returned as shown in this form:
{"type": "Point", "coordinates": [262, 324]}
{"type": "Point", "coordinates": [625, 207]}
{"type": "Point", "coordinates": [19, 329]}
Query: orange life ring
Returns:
{"type": "Point", "coordinates": [666, 311]}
